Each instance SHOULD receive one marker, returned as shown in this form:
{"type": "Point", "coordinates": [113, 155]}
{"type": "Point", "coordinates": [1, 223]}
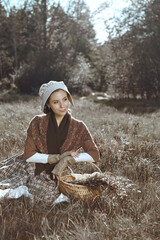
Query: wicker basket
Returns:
{"type": "Point", "coordinates": [77, 191]}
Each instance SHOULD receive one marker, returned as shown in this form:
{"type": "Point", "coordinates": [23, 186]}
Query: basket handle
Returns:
{"type": "Point", "coordinates": [94, 165]}
{"type": "Point", "coordinates": [91, 163]}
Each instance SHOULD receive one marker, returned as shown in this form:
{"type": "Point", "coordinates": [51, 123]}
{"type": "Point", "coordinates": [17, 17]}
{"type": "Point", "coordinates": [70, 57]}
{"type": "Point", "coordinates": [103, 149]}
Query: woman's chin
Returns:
{"type": "Point", "coordinates": [62, 113]}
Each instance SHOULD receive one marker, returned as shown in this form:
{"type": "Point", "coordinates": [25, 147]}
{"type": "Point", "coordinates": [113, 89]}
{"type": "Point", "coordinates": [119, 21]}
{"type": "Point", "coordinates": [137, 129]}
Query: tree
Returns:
{"type": "Point", "coordinates": [6, 58]}
{"type": "Point", "coordinates": [138, 48]}
{"type": "Point", "coordinates": [45, 42]}
{"type": "Point", "coordinates": [81, 28]}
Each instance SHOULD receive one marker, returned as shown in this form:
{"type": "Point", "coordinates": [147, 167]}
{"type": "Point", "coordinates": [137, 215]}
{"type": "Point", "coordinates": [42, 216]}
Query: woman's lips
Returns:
{"type": "Point", "coordinates": [62, 110]}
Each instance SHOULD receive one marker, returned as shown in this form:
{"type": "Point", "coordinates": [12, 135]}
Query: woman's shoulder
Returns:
{"type": "Point", "coordinates": [76, 121]}
{"type": "Point", "coordinates": [38, 118]}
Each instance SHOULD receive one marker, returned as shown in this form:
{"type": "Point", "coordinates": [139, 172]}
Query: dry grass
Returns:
{"type": "Point", "coordinates": [129, 147]}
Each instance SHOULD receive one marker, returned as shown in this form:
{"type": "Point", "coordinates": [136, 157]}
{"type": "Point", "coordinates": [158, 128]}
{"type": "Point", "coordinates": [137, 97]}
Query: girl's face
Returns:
{"type": "Point", "coordinates": [59, 103]}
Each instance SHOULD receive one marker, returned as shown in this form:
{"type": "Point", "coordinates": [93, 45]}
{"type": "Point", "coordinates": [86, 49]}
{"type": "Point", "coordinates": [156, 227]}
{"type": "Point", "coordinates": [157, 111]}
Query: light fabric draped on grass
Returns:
{"type": "Point", "coordinates": [15, 172]}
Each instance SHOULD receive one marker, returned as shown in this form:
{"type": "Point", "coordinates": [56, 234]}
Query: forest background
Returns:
{"type": "Point", "coordinates": [41, 41]}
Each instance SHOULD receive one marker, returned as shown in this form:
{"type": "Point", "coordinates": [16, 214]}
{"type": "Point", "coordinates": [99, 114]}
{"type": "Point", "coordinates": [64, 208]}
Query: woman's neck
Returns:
{"type": "Point", "coordinates": [59, 119]}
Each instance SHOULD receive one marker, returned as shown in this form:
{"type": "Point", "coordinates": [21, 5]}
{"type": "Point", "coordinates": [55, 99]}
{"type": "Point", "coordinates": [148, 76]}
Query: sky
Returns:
{"type": "Point", "coordinates": [115, 7]}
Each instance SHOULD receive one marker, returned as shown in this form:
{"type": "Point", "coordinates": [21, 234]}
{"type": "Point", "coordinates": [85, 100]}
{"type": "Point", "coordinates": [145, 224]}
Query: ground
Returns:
{"type": "Point", "coordinates": [129, 148]}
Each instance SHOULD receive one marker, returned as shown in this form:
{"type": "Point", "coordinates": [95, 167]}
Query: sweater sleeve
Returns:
{"type": "Point", "coordinates": [89, 145]}
{"type": "Point", "coordinates": [29, 148]}
{"type": "Point", "coordinates": [38, 158]}
{"type": "Point", "coordinates": [84, 157]}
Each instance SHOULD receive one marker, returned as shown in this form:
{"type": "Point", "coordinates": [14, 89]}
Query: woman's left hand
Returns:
{"type": "Point", "coordinates": [55, 176]}
{"type": "Point", "coordinates": [75, 154]}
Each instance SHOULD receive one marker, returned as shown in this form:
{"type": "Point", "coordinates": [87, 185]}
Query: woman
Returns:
{"type": "Point", "coordinates": [53, 140]}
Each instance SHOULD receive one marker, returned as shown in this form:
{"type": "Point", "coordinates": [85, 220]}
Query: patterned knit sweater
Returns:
{"type": "Point", "coordinates": [78, 136]}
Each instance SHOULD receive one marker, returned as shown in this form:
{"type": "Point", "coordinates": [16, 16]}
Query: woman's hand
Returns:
{"type": "Point", "coordinates": [74, 154]}
{"type": "Point", "coordinates": [55, 176]}
{"type": "Point", "coordinates": [65, 156]}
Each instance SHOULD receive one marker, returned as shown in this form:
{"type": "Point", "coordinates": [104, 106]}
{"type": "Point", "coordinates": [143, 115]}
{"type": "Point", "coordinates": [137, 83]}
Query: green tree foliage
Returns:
{"type": "Point", "coordinates": [136, 49]}
{"type": "Point", "coordinates": [5, 58]}
{"type": "Point", "coordinates": [81, 28]}
{"type": "Point", "coordinates": [45, 42]}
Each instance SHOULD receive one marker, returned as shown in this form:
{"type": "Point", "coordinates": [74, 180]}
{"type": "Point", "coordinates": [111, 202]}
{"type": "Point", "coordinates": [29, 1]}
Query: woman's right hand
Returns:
{"type": "Point", "coordinates": [55, 177]}
{"type": "Point", "coordinates": [66, 158]}
{"type": "Point", "coordinates": [62, 164]}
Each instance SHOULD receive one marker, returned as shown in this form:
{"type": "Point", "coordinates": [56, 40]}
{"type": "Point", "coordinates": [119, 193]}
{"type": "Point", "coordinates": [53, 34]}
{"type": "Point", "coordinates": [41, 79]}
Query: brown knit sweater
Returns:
{"type": "Point", "coordinates": [78, 136]}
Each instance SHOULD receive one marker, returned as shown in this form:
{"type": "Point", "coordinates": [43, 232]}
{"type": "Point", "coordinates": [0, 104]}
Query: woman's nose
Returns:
{"type": "Point", "coordinates": [61, 104]}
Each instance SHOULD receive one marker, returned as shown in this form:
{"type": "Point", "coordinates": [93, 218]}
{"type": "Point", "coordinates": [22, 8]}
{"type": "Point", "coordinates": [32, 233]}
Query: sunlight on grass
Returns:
{"type": "Point", "coordinates": [129, 148]}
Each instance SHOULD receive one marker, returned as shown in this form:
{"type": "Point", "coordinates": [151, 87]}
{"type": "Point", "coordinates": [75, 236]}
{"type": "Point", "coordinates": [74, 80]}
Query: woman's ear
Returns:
{"type": "Point", "coordinates": [48, 105]}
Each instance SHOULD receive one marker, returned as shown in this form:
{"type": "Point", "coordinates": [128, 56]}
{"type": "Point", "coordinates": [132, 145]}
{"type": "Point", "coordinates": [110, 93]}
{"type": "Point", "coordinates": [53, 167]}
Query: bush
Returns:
{"type": "Point", "coordinates": [43, 68]}
{"type": "Point", "coordinates": [79, 76]}
{"type": "Point", "coordinates": [29, 78]}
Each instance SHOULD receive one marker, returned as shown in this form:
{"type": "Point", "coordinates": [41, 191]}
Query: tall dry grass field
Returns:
{"type": "Point", "coordinates": [130, 149]}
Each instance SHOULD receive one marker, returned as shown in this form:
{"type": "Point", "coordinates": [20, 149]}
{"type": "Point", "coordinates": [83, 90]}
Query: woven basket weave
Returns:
{"type": "Point", "coordinates": [77, 191]}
